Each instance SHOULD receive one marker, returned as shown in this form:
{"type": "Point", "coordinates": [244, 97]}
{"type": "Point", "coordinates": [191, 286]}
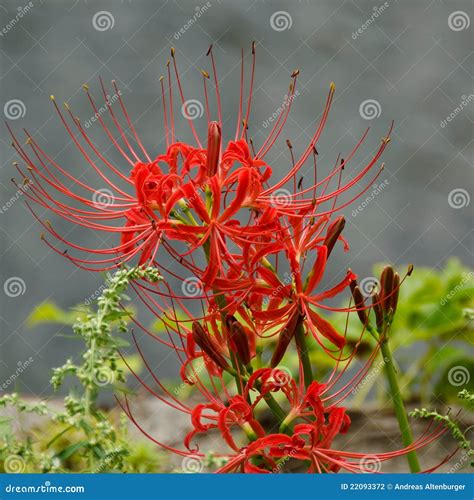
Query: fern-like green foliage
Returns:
{"type": "Point", "coordinates": [80, 437]}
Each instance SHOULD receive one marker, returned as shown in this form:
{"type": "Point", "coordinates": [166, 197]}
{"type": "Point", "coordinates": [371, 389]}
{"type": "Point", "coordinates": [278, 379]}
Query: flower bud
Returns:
{"type": "Point", "coordinates": [377, 306]}
{"type": "Point", "coordinates": [333, 233]}
{"type": "Point", "coordinates": [213, 148]}
{"type": "Point", "coordinates": [208, 345]}
{"type": "Point", "coordinates": [360, 305]}
{"type": "Point", "coordinates": [238, 339]}
{"type": "Point", "coordinates": [395, 290]}
{"type": "Point", "coordinates": [287, 333]}
{"type": "Point", "coordinates": [386, 284]}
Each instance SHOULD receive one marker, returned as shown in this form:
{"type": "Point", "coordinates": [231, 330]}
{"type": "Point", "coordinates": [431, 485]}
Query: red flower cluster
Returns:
{"type": "Point", "coordinates": [250, 249]}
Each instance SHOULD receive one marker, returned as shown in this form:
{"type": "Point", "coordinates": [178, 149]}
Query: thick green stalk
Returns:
{"type": "Point", "coordinates": [399, 407]}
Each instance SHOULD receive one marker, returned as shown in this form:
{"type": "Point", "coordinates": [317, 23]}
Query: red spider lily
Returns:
{"type": "Point", "coordinates": [187, 193]}
{"type": "Point", "coordinates": [256, 249]}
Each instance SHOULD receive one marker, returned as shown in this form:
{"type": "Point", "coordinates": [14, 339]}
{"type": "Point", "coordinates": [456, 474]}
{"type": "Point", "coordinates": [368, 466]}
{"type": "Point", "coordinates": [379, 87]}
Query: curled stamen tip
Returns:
{"type": "Point", "coordinates": [386, 140]}
{"type": "Point", "coordinates": [172, 51]}
{"type": "Point", "coordinates": [295, 73]}
{"type": "Point", "coordinates": [205, 74]}
{"type": "Point", "coordinates": [209, 50]}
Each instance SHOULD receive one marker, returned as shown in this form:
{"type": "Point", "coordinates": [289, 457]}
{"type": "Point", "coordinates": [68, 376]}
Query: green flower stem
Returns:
{"type": "Point", "coordinates": [399, 407]}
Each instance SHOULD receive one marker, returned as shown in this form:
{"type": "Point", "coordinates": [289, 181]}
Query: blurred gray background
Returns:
{"type": "Point", "coordinates": [413, 58]}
